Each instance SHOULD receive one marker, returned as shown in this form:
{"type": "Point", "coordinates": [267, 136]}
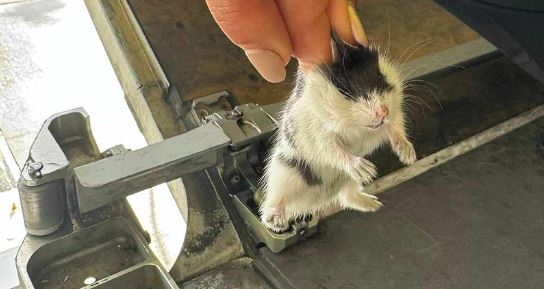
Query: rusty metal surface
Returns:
{"type": "Point", "coordinates": [200, 60]}
{"type": "Point", "coordinates": [211, 239]}
{"type": "Point", "coordinates": [238, 274]}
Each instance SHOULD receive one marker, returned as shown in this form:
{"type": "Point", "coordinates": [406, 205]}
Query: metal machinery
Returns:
{"type": "Point", "coordinates": [82, 232]}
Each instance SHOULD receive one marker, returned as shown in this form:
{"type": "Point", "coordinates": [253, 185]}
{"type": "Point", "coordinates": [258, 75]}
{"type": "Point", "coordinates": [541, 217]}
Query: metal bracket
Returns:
{"type": "Point", "coordinates": [244, 125]}
{"type": "Point", "coordinates": [249, 128]}
{"type": "Point", "coordinates": [46, 184]}
{"type": "Point", "coordinates": [104, 181]}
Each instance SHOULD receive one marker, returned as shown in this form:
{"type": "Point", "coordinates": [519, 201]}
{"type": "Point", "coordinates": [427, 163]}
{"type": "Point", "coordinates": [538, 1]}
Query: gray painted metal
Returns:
{"type": "Point", "coordinates": [248, 126]}
{"type": "Point", "coordinates": [244, 125]}
{"type": "Point", "coordinates": [82, 243]}
{"type": "Point", "coordinates": [112, 252]}
{"type": "Point", "coordinates": [450, 59]}
{"type": "Point", "coordinates": [45, 180]}
{"type": "Point", "coordinates": [99, 183]}
{"type": "Point", "coordinates": [274, 241]}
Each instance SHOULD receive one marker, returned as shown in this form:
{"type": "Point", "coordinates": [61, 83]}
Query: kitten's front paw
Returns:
{"type": "Point", "coordinates": [363, 170]}
{"type": "Point", "coordinates": [405, 151]}
{"type": "Point", "coordinates": [274, 220]}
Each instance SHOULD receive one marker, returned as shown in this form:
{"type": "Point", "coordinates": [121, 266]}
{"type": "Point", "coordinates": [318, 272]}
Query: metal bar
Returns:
{"type": "Point", "coordinates": [444, 61]}
{"type": "Point", "coordinates": [116, 177]}
{"type": "Point", "coordinates": [423, 165]}
{"type": "Point", "coordinates": [138, 70]}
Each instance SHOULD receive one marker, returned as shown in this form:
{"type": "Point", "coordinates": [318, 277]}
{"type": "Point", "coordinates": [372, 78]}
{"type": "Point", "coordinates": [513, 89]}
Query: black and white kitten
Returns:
{"type": "Point", "coordinates": [336, 115]}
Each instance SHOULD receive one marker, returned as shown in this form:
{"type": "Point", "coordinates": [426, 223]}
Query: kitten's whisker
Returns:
{"type": "Point", "coordinates": [388, 33]}
{"type": "Point", "coordinates": [417, 99]}
{"type": "Point", "coordinates": [409, 101]}
{"type": "Point", "coordinates": [409, 108]}
{"type": "Point", "coordinates": [432, 92]}
{"type": "Point", "coordinates": [423, 82]}
{"type": "Point", "coordinates": [399, 60]}
{"type": "Point", "coordinates": [418, 48]}
{"type": "Point", "coordinates": [406, 74]}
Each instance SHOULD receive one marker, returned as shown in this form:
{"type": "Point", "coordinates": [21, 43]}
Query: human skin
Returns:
{"type": "Point", "coordinates": [272, 31]}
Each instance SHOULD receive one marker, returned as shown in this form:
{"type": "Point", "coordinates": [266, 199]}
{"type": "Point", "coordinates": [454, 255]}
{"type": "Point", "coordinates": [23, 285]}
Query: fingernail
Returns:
{"type": "Point", "coordinates": [357, 26]}
{"type": "Point", "coordinates": [268, 63]}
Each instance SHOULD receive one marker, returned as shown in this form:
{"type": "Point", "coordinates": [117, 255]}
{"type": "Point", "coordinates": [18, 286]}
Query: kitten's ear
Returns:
{"type": "Point", "coordinates": [340, 48]}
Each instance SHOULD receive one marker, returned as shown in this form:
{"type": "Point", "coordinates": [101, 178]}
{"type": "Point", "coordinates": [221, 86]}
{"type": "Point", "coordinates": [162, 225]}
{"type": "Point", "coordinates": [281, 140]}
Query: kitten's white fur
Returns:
{"type": "Point", "coordinates": [333, 137]}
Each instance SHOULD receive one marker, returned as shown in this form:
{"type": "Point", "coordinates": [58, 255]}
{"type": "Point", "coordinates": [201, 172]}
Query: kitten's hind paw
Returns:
{"type": "Point", "coordinates": [275, 221]}
{"type": "Point", "coordinates": [360, 201]}
{"type": "Point", "coordinates": [369, 203]}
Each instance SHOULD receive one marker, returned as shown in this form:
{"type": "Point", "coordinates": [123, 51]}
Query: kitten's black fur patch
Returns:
{"type": "Point", "coordinates": [287, 129]}
{"type": "Point", "coordinates": [356, 72]}
{"type": "Point", "coordinates": [303, 168]}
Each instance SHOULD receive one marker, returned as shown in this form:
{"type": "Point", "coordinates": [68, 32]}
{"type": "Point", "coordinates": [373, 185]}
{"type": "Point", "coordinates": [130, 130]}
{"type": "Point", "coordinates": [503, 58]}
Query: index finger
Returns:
{"type": "Point", "coordinates": [309, 27]}
{"type": "Point", "coordinates": [257, 27]}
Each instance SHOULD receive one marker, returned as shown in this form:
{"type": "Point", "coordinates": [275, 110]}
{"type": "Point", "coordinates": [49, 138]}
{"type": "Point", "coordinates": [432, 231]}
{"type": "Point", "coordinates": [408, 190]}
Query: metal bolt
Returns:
{"type": "Point", "coordinates": [232, 114]}
{"type": "Point", "coordinates": [235, 179]}
{"type": "Point", "coordinates": [34, 170]}
{"type": "Point", "coordinates": [202, 113]}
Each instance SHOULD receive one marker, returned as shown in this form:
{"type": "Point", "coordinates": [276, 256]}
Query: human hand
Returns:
{"type": "Point", "coordinates": [271, 31]}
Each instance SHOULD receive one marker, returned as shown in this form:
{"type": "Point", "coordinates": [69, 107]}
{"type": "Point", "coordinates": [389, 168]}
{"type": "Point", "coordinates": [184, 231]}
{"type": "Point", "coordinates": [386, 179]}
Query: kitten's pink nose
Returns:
{"type": "Point", "coordinates": [382, 112]}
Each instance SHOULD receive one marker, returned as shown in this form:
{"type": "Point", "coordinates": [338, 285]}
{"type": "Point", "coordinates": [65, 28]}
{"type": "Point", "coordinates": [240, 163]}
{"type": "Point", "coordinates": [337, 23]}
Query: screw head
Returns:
{"type": "Point", "coordinates": [202, 113]}
{"type": "Point", "coordinates": [235, 179]}
{"type": "Point", "coordinates": [34, 169]}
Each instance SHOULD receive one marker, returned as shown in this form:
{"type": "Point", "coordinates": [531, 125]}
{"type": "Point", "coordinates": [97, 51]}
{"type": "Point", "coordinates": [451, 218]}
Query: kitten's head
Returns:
{"type": "Point", "coordinates": [363, 88]}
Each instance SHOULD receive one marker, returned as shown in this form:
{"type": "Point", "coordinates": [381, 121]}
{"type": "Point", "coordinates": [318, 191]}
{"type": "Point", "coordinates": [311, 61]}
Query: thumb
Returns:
{"type": "Point", "coordinates": [257, 27]}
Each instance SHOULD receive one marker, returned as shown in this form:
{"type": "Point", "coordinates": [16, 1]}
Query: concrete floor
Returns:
{"type": "Point", "coordinates": [51, 60]}
{"type": "Point", "coordinates": [11, 219]}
